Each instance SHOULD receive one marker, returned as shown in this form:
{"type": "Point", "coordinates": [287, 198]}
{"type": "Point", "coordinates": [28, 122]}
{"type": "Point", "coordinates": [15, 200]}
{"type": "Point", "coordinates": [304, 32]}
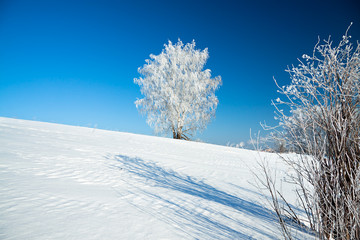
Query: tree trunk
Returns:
{"type": "Point", "coordinates": [177, 133]}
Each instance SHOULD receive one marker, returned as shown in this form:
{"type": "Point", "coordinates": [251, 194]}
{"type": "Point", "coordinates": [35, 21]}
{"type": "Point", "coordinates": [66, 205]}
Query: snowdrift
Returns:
{"type": "Point", "coordinates": [66, 182]}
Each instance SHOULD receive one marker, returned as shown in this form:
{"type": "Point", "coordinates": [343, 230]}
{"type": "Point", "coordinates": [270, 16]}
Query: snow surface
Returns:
{"type": "Point", "coordinates": [66, 182]}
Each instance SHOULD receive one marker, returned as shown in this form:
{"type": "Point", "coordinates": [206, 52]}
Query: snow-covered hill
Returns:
{"type": "Point", "coordinates": [66, 182]}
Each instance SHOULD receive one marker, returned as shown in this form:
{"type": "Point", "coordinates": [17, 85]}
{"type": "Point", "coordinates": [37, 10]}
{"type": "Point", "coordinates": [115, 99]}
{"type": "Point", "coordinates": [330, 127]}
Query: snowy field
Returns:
{"type": "Point", "coordinates": [65, 182]}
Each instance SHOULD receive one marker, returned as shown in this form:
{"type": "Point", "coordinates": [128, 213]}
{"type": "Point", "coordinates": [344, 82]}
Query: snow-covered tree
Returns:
{"type": "Point", "coordinates": [179, 96]}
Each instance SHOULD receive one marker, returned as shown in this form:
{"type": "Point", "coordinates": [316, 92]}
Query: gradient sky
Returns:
{"type": "Point", "coordinates": [73, 62]}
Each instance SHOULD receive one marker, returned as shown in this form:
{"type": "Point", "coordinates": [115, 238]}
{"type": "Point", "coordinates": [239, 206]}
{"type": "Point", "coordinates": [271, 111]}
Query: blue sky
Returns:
{"type": "Point", "coordinates": [73, 62]}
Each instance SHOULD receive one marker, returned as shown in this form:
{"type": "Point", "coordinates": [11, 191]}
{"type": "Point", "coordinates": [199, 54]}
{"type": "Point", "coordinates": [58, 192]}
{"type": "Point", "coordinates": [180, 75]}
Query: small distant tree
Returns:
{"type": "Point", "coordinates": [179, 96]}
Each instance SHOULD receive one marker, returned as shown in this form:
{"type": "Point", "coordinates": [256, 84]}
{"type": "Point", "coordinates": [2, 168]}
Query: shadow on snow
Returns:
{"type": "Point", "coordinates": [206, 227]}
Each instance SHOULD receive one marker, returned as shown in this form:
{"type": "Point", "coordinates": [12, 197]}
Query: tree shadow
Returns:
{"type": "Point", "coordinates": [206, 227]}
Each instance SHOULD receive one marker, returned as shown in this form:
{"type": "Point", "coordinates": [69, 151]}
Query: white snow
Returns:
{"type": "Point", "coordinates": [66, 182]}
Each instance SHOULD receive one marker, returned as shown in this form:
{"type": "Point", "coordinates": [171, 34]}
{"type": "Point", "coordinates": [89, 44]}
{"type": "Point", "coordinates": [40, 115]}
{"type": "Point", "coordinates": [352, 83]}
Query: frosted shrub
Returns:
{"type": "Point", "coordinates": [323, 100]}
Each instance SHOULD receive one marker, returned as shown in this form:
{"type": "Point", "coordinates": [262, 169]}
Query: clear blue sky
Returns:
{"type": "Point", "coordinates": [73, 62]}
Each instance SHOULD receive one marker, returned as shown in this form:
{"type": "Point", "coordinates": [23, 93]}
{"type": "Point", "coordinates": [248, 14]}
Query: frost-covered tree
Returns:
{"type": "Point", "coordinates": [179, 96]}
